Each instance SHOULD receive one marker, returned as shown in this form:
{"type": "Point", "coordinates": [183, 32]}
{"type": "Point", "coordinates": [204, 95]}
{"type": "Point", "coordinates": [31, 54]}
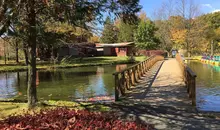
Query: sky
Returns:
{"type": "Point", "coordinates": [206, 6]}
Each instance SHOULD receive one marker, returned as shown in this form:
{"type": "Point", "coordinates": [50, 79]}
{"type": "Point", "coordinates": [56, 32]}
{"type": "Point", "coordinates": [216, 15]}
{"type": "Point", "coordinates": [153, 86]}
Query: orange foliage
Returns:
{"type": "Point", "coordinates": [178, 36]}
{"type": "Point", "coordinates": [94, 39]}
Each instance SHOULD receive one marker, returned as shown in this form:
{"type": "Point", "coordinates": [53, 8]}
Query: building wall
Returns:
{"type": "Point", "coordinates": [73, 52]}
{"type": "Point", "coordinates": [64, 51]}
{"type": "Point", "coordinates": [122, 51]}
{"type": "Point", "coordinates": [107, 51]}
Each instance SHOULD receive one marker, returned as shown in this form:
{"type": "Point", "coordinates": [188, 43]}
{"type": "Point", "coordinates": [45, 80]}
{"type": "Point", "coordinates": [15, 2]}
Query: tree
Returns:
{"type": "Point", "coordinates": [94, 39]}
{"type": "Point", "coordinates": [77, 13]}
{"type": "Point", "coordinates": [126, 32]}
{"type": "Point", "coordinates": [211, 29]}
{"type": "Point", "coordinates": [178, 16]}
{"type": "Point", "coordinates": [145, 35]}
{"type": "Point", "coordinates": [109, 34]}
{"type": "Point", "coordinates": [188, 10]}
{"type": "Point", "coordinates": [161, 17]}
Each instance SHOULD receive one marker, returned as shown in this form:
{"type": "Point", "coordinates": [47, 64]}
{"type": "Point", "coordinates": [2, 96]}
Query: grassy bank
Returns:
{"type": "Point", "coordinates": [75, 62]}
{"type": "Point", "coordinates": [11, 108]}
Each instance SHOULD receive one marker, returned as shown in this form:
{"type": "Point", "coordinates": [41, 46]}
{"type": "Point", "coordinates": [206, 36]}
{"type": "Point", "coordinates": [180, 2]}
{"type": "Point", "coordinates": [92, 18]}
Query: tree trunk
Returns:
{"type": "Point", "coordinates": [18, 79]}
{"type": "Point", "coordinates": [25, 49]}
{"type": "Point", "coordinates": [16, 44]}
{"type": "Point", "coordinates": [32, 91]}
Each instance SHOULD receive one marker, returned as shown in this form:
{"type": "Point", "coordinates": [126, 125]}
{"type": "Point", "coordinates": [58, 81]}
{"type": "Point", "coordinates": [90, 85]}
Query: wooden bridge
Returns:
{"type": "Point", "coordinates": [161, 92]}
{"type": "Point", "coordinates": [172, 72]}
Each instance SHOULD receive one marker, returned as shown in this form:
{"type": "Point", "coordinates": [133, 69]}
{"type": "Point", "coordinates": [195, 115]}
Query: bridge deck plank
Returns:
{"type": "Point", "coordinates": [160, 98]}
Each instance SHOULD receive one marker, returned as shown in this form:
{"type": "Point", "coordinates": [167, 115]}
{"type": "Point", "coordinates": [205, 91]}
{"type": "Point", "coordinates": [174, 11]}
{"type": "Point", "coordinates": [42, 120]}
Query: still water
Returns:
{"type": "Point", "coordinates": [208, 85]}
{"type": "Point", "coordinates": [62, 84]}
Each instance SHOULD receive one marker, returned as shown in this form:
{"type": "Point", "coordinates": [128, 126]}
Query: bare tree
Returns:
{"type": "Point", "coordinates": [189, 10]}
{"type": "Point", "coordinates": [161, 17]}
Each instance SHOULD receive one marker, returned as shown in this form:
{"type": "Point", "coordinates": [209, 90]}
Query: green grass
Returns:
{"type": "Point", "coordinates": [11, 108]}
{"type": "Point", "coordinates": [73, 62]}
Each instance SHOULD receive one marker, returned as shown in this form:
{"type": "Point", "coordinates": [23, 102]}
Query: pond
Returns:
{"type": "Point", "coordinates": [62, 84]}
{"type": "Point", "coordinates": [208, 85]}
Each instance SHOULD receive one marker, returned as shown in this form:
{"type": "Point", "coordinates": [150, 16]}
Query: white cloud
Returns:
{"type": "Point", "coordinates": [216, 10]}
{"type": "Point", "coordinates": [207, 5]}
{"type": "Point", "coordinates": [212, 9]}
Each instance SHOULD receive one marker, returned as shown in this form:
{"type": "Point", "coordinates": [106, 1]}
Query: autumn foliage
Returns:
{"type": "Point", "coordinates": [63, 118]}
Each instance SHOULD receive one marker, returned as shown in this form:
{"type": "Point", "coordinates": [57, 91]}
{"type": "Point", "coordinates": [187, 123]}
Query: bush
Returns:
{"type": "Point", "coordinates": [62, 118]}
{"type": "Point", "coordinates": [131, 59]}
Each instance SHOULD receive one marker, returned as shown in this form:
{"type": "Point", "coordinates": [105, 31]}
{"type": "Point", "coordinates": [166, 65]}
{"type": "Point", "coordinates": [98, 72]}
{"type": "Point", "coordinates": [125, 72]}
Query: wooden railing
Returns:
{"type": "Point", "coordinates": [190, 79]}
{"type": "Point", "coordinates": [128, 77]}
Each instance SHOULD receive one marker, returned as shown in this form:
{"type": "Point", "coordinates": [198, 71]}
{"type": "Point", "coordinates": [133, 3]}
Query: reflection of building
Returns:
{"type": "Point", "coordinates": [37, 79]}
{"type": "Point", "coordinates": [115, 49]}
{"type": "Point", "coordinates": [7, 85]}
{"type": "Point", "coordinates": [100, 70]}
{"type": "Point", "coordinates": [1, 48]}
{"type": "Point", "coordinates": [120, 67]}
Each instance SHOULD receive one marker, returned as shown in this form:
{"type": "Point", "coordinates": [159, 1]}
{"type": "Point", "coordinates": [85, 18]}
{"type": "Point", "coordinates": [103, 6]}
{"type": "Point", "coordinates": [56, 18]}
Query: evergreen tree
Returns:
{"type": "Point", "coordinates": [126, 32]}
{"type": "Point", "coordinates": [145, 35]}
{"type": "Point", "coordinates": [109, 34]}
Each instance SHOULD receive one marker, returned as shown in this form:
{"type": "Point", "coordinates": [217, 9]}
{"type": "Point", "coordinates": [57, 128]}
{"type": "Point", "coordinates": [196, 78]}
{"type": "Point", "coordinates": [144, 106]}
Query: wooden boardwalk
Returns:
{"type": "Point", "coordinates": [161, 99]}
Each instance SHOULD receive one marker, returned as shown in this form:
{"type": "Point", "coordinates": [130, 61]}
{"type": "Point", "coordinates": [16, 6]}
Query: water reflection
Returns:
{"type": "Point", "coordinates": [208, 85]}
{"type": "Point", "coordinates": [6, 81]}
{"type": "Point", "coordinates": [62, 84]}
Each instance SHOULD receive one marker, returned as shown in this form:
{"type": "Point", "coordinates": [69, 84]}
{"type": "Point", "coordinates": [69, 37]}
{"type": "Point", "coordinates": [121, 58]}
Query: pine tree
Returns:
{"type": "Point", "coordinates": [126, 32]}
{"type": "Point", "coordinates": [145, 35]}
{"type": "Point", "coordinates": [109, 34]}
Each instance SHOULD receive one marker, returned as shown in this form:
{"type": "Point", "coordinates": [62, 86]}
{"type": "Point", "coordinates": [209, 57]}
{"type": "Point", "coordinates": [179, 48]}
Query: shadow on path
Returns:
{"type": "Point", "coordinates": [161, 99]}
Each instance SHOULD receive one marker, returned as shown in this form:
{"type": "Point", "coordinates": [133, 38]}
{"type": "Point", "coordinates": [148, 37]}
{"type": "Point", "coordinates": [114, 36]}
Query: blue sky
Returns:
{"type": "Point", "coordinates": [206, 6]}
{"type": "Point", "coordinates": [149, 6]}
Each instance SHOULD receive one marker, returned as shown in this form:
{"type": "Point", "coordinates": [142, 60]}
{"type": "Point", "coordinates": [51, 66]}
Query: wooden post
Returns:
{"type": "Point", "coordinates": [129, 78]}
{"type": "Point", "coordinates": [139, 68]}
{"type": "Point", "coordinates": [142, 69]}
{"type": "Point", "coordinates": [193, 93]}
{"type": "Point", "coordinates": [135, 74]}
{"type": "Point", "coordinates": [132, 76]}
{"type": "Point", "coordinates": [147, 65]}
{"type": "Point", "coordinates": [190, 87]}
{"type": "Point", "coordinates": [123, 79]}
{"type": "Point", "coordinates": [116, 88]}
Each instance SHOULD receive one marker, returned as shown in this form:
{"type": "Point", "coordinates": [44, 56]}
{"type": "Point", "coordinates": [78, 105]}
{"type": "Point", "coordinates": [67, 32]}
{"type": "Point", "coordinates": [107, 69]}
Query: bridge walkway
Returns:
{"type": "Point", "coordinates": [160, 98]}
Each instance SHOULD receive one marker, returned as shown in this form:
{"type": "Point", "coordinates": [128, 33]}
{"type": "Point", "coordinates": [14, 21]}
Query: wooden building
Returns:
{"type": "Point", "coordinates": [77, 50]}
{"type": "Point", "coordinates": [115, 49]}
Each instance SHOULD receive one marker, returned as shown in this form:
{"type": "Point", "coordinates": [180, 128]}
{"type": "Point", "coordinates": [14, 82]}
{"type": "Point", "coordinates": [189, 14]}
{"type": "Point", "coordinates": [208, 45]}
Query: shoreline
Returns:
{"type": "Point", "coordinates": [59, 66]}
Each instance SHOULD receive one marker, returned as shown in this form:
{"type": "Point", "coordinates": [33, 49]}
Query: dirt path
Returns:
{"type": "Point", "coordinates": [164, 103]}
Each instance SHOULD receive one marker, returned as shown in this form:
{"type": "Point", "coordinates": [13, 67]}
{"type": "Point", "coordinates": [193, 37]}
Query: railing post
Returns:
{"type": "Point", "coordinates": [193, 93]}
{"type": "Point", "coordinates": [134, 75]}
{"type": "Point", "coordinates": [124, 83]}
{"type": "Point", "coordinates": [140, 71]}
{"type": "Point", "coordinates": [116, 87]}
{"type": "Point", "coordinates": [128, 77]}
{"type": "Point", "coordinates": [189, 78]}
{"type": "Point", "coordinates": [147, 65]}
